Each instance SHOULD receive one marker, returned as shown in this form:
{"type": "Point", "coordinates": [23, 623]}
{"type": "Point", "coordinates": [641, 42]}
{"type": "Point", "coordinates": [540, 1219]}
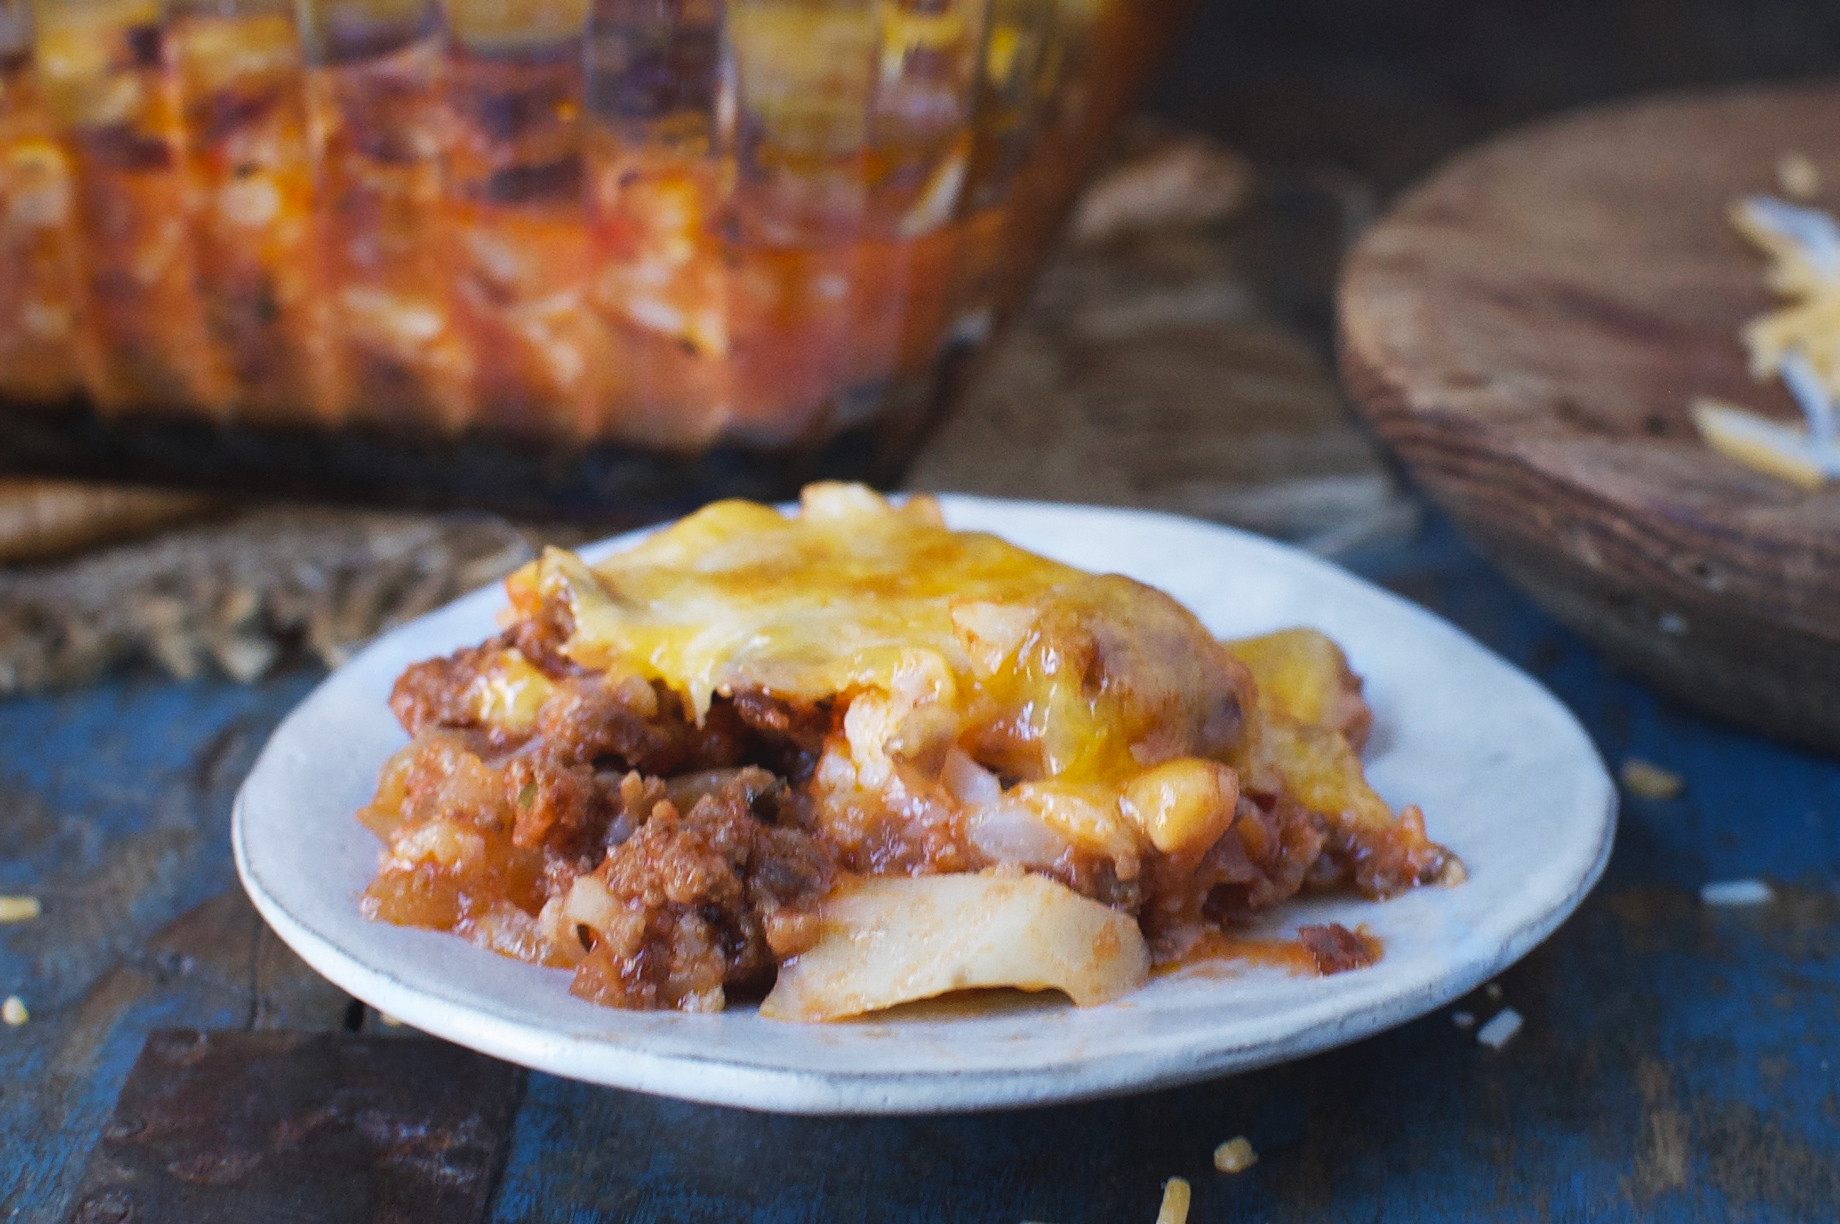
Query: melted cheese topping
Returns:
{"type": "Point", "coordinates": [935, 638]}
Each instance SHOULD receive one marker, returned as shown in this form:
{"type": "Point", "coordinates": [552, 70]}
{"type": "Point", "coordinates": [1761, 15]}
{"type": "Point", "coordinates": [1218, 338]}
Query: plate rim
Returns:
{"type": "Point", "coordinates": [718, 1080]}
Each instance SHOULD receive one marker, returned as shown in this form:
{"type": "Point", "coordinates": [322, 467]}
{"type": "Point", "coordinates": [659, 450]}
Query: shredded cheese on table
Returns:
{"type": "Point", "coordinates": [1175, 1202]}
{"type": "Point", "coordinates": [1235, 1155]}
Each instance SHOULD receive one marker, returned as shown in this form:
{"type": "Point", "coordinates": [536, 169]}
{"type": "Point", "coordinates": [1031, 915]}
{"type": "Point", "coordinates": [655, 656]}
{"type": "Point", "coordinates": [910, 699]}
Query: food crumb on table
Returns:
{"type": "Point", "coordinates": [1235, 1155]}
{"type": "Point", "coordinates": [1500, 1029]}
{"type": "Point", "coordinates": [1175, 1202]}
{"type": "Point", "coordinates": [1493, 991]}
{"type": "Point", "coordinates": [1647, 780]}
{"type": "Point", "coordinates": [1463, 1019]}
{"type": "Point", "coordinates": [14, 1012]}
{"type": "Point", "coordinates": [1736, 893]}
{"type": "Point", "coordinates": [19, 909]}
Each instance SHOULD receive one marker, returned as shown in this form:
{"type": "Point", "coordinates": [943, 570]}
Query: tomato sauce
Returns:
{"type": "Point", "coordinates": [665, 224]}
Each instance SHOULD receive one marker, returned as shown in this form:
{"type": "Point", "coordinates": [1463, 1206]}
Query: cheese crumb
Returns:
{"type": "Point", "coordinates": [1647, 780]}
{"type": "Point", "coordinates": [14, 1012]}
{"type": "Point", "coordinates": [1175, 1202]}
{"type": "Point", "coordinates": [1798, 177]}
{"type": "Point", "coordinates": [1500, 1029]}
{"type": "Point", "coordinates": [1798, 342]}
{"type": "Point", "coordinates": [388, 1020]}
{"type": "Point", "coordinates": [1759, 443]}
{"type": "Point", "coordinates": [1235, 1155]}
{"type": "Point", "coordinates": [19, 909]}
{"type": "Point", "coordinates": [1736, 893]}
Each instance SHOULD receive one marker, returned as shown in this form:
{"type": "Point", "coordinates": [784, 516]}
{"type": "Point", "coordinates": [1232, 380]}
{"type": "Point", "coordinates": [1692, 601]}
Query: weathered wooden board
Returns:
{"type": "Point", "coordinates": [311, 1128]}
{"type": "Point", "coordinates": [40, 519]}
{"type": "Point", "coordinates": [1528, 329]}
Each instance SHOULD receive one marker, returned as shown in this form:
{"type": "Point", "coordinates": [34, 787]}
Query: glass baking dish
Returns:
{"type": "Point", "coordinates": [547, 254]}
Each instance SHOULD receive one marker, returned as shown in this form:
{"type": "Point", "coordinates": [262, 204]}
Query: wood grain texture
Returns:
{"type": "Point", "coordinates": [41, 519]}
{"type": "Point", "coordinates": [1155, 367]}
{"type": "Point", "coordinates": [245, 595]}
{"type": "Point", "coordinates": [218, 1127]}
{"type": "Point", "coordinates": [1527, 330]}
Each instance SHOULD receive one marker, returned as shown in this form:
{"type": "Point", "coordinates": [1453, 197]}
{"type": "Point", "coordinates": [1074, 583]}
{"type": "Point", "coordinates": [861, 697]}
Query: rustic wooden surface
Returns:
{"type": "Point", "coordinates": [252, 592]}
{"type": "Point", "coordinates": [44, 519]}
{"type": "Point", "coordinates": [1528, 330]}
{"type": "Point", "coordinates": [1153, 370]}
{"type": "Point", "coordinates": [230, 1127]}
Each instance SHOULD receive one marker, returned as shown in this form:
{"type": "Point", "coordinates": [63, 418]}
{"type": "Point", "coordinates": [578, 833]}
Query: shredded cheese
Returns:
{"type": "Point", "coordinates": [1757, 442]}
{"type": "Point", "coordinates": [1647, 780]}
{"type": "Point", "coordinates": [19, 909]}
{"type": "Point", "coordinates": [1798, 342]}
{"type": "Point", "coordinates": [1175, 1202]}
{"type": "Point", "coordinates": [1235, 1155]}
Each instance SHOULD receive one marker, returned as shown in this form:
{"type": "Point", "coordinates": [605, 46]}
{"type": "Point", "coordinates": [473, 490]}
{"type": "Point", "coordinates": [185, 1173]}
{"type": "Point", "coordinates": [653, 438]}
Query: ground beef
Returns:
{"type": "Point", "coordinates": [1094, 876]}
{"type": "Point", "coordinates": [705, 903]}
{"type": "Point", "coordinates": [712, 875]}
{"type": "Point", "coordinates": [541, 636]}
{"type": "Point", "coordinates": [1382, 863]}
{"type": "Point", "coordinates": [793, 734]}
{"type": "Point", "coordinates": [1263, 859]}
{"type": "Point", "coordinates": [711, 878]}
{"type": "Point", "coordinates": [438, 692]}
{"type": "Point", "coordinates": [592, 718]}
{"type": "Point", "coordinates": [1351, 715]}
{"type": "Point", "coordinates": [625, 724]}
{"type": "Point", "coordinates": [1336, 949]}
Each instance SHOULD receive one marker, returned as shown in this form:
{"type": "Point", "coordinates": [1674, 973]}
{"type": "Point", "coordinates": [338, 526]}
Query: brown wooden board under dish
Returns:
{"type": "Point", "coordinates": [1528, 329]}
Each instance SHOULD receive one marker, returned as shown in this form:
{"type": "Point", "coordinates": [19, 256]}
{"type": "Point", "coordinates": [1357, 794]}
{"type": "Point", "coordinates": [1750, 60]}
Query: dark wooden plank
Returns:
{"type": "Point", "coordinates": [1528, 330]}
{"type": "Point", "coordinates": [327, 1128]}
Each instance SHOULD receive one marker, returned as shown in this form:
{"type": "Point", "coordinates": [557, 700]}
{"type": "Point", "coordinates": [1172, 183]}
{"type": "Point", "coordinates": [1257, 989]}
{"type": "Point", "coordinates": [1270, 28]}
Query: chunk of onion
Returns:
{"type": "Point", "coordinates": [968, 781]}
{"type": "Point", "coordinates": [895, 940]}
{"type": "Point", "coordinates": [1009, 832]}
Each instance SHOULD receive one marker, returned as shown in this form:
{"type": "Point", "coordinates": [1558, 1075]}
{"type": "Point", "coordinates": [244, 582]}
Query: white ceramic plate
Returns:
{"type": "Point", "coordinates": [1505, 775]}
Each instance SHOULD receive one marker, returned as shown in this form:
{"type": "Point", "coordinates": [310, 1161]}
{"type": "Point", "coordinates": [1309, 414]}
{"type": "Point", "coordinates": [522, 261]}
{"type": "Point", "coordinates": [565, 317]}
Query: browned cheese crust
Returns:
{"type": "Point", "coordinates": [586, 818]}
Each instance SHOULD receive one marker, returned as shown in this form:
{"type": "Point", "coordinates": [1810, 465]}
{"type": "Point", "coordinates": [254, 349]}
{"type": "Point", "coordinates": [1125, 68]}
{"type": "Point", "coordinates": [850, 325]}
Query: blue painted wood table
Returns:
{"type": "Point", "coordinates": [1677, 1061]}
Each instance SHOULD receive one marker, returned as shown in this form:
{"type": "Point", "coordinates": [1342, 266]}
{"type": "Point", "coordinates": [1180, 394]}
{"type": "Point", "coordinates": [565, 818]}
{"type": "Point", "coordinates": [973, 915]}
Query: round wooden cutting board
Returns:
{"type": "Point", "coordinates": [1528, 328]}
